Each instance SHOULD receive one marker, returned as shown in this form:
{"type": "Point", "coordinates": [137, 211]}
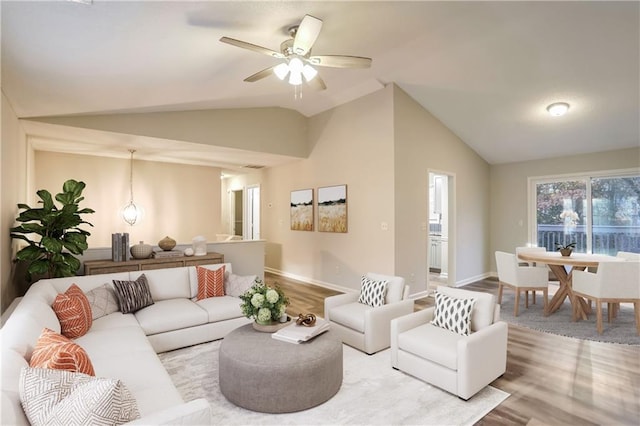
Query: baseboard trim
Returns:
{"type": "Point", "coordinates": [308, 280]}
{"type": "Point", "coordinates": [473, 279]}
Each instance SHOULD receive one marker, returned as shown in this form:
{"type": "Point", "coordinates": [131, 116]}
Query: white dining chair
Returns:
{"type": "Point", "coordinates": [526, 249]}
{"type": "Point", "coordinates": [613, 283]}
{"type": "Point", "coordinates": [627, 255]}
{"type": "Point", "coordinates": [520, 278]}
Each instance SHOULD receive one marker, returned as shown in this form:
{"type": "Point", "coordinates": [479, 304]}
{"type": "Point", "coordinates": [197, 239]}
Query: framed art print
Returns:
{"type": "Point", "coordinates": [332, 208]}
{"type": "Point", "coordinates": [302, 210]}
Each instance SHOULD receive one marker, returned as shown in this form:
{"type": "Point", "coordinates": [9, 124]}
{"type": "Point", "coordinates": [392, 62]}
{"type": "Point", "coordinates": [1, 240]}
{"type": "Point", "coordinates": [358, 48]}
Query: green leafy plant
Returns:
{"type": "Point", "coordinates": [263, 303]}
{"type": "Point", "coordinates": [569, 246]}
{"type": "Point", "coordinates": [59, 238]}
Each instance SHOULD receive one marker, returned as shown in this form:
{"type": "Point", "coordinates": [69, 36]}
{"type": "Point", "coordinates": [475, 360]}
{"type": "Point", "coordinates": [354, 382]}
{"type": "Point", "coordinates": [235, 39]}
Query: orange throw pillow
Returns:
{"type": "Point", "coordinates": [210, 283]}
{"type": "Point", "coordinates": [73, 311]}
{"type": "Point", "coordinates": [56, 352]}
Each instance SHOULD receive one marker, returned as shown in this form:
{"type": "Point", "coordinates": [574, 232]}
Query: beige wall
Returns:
{"type": "Point", "coordinates": [180, 201]}
{"type": "Point", "coordinates": [14, 177]}
{"type": "Point", "coordinates": [353, 145]}
{"type": "Point", "coordinates": [509, 192]}
{"type": "Point", "coordinates": [424, 144]}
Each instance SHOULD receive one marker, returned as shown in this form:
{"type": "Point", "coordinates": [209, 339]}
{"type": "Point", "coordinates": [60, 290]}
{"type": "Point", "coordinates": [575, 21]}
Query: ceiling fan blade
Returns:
{"type": "Point", "coordinates": [254, 47]}
{"type": "Point", "coordinates": [260, 75]}
{"type": "Point", "coordinates": [306, 35]}
{"type": "Point", "coordinates": [339, 61]}
{"type": "Point", "coordinates": [317, 83]}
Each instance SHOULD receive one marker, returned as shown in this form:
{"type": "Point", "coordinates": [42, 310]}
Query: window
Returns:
{"type": "Point", "coordinates": [600, 213]}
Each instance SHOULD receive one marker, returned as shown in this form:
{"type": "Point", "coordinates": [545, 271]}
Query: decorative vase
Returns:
{"type": "Point", "coordinates": [141, 250]}
{"type": "Point", "coordinates": [566, 252]}
{"type": "Point", "coordinates": [167, 243]}
{"type": "Point", "coordinates": [270, 326]}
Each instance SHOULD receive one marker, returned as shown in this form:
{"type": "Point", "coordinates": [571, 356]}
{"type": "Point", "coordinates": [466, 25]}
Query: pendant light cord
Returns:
{"type": "Point", "coordinates": [131, 175]}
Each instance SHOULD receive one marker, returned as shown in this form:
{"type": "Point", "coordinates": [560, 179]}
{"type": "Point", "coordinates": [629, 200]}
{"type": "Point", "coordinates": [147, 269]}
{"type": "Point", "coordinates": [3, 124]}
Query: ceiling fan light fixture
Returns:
{"type": "Point", "coordinates": [295, 78]}
{"type": "Point", "coordinates": [309, 72]}
{"type": "Point", "coordinates": [558, 109]}
{"type": "Point", "coordinates": [281, 71]}
{"type": "Point", "coordinates": [296, 65]}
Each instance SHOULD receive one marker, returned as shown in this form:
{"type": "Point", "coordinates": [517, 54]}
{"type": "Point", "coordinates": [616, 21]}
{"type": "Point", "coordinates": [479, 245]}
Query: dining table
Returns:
{"type": "Point", "coordinates": [563, 267]}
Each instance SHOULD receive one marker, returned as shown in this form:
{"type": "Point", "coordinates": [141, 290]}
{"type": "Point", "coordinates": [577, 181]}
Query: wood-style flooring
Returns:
{"type": "Point", "coordinates": [553, 380]}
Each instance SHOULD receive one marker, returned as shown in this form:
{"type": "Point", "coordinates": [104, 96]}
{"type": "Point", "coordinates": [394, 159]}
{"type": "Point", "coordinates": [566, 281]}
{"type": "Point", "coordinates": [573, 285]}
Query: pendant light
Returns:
{"type": "Point", "coordinates": [131, 213]}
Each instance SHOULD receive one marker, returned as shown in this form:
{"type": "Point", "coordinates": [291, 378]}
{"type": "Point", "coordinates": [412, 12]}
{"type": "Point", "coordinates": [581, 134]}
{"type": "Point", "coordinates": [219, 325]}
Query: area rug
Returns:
{"type": "Point", "coordinates": [621, 330]}
{"type": "Point", "coordinates": [371, 393]}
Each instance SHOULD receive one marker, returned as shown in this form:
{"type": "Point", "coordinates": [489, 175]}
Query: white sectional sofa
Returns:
{"type": "Point", "coordinates": [124, 346]}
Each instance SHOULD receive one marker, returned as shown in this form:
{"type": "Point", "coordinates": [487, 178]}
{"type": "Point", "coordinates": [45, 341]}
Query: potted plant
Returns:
{"type": "Point", "coordinates": [565, 250]}
{"type": "Point", "coordinates": [56, 230]}
{"type": "Point", "coordinates": [266, 305]}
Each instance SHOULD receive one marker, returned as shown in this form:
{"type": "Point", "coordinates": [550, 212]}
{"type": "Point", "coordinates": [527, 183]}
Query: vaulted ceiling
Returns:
{"type": "Point", "coordinates": [487, 70]}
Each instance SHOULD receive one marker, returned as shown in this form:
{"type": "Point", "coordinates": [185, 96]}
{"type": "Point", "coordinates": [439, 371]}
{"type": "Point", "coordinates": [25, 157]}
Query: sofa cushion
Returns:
{"type": "Point", "coordinates": [168, 315]}
{"type": "Point", "coordinates": [193, 275]}
{"type": "Point", "coordinates": [350, 315]}
{"type": "Point", "coordinates": [483, 309]}
{"type": "Point", "coordinates": [395, 286]}
{"type": "Point", "coordinates": [103, 301]}
{"type": "Point", "coordinates": [56, 397]}
{"type": "Point", "coordinates": [57, 352]}
{"type": "Point", "coordinates": [372, 292]}
{"type": "Point", "coordinates": [73, 311]}
{"type": "Point", "coordinates": [432, 343]}
{"type": "Point", "coordinates": [221, 308]}
{"type": "Point", "coordinates": [169, 283]}
{"type": "Point", "coordinates": [453, 314]}
{"type": "Point", "coordinates": [133, 295]}
{"type": "Point", "coordinates": [210, 283]}
{"type": "Point", "coordinates": [11, 412]}
{"type": "Point", "coordinates": [237, 285]}
{"type": "Point", "coordinates": [24, 326]}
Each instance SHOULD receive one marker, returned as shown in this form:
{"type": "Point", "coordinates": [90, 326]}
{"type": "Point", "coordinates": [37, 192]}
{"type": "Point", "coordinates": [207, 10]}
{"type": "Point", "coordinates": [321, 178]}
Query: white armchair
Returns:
{"type": "Point", "coordinates": [365, 327]}
{"type": "Point", "coordinates": [461, 365]}
{"type": "Point", "coordinates": [612, 283]}
{"type": "Point", "coordinates": [521, 278]}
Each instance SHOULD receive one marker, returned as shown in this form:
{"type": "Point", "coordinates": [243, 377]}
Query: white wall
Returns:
{"type": "Point", "coordinates": [180, 201]}
{"type": "Point", "coordinates": [14, 175]}
{"type": "Point", "coordinates": [352, 145]}
{"type": "Point", "coordinates": [509, 199]}
{"type": "Point", "coordinates": [423, 144]}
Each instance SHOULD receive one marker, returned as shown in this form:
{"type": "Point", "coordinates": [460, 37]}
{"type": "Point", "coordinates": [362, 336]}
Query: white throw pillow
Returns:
{"type": "Point", "coordinates": [236, 285]}
{"type": "Point", "coordinates": [372, 292]}
{"type": "Point", "coordinates": [453, 314]}
{"type": "Point", "coordinates": [103, 301]}
{"type": "Point", "coordinates": [58, 397]}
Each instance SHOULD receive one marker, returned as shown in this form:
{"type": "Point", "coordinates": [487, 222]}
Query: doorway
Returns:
{"type": "Point", "coordinates": [237, 209]}
{"type": "Point", "coordinates": [252, 231]}
{"type": "Point", "coordinates": [441, 219]}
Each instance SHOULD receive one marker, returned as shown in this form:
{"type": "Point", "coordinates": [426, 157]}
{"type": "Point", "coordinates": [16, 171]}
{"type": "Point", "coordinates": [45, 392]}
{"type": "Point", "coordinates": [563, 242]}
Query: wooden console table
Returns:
{"type": "Point", "coordinates": [94, 267]}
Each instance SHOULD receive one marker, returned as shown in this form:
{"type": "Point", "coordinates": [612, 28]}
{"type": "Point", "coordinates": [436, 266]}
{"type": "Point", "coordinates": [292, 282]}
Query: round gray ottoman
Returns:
{"type": "Point", "coordinates": [263, 374]}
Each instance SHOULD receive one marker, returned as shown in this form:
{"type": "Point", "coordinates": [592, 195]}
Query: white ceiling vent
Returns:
{"type": "Point", "coordinates": [253, 166]}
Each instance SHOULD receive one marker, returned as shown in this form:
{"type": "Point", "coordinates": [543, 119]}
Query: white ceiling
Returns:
{"type": "Point", "coordinates": [487, 70]}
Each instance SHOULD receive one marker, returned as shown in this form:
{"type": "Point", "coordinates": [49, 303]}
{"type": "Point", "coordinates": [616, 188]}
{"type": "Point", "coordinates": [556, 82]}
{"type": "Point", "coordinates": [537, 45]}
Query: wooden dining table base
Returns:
{"type": "Point", "coordinates": [580, 307]}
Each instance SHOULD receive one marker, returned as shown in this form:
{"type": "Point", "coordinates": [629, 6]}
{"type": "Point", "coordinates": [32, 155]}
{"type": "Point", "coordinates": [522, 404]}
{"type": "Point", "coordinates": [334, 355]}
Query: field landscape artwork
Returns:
{"type": "Point", "coordinates": [332, 209]}
{"type": "Point", "coordinates": [302, 210]}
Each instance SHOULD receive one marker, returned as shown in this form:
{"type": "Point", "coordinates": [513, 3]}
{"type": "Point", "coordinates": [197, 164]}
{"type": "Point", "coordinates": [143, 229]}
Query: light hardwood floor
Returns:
{"type": "Point", "coordinates": [553, 380]}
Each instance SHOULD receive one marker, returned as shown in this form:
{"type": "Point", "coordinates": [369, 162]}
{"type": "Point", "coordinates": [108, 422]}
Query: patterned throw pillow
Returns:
{"type": "Point", "coordinates": [453, 314]}
{"type": "Point", "coordinates": [133, 295]}
{"type": "Point", "coordinates": [55, 351]}
{"type": "Point", "coordinates": [73, 311]}
{"type": "Point", "coordinates": [103, 301]}
{"type": "Point", "coordinates": [56, 397]}
{"type": "Point", "coordinates": [210, 283]}
{"type": "Point", "coordinates": [372, 292]}
{"type": "Point", "coordinates": [237, 285]}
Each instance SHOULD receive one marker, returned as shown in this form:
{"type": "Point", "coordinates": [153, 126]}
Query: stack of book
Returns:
{"type": "Point", "coordinates": [120, 247]}
{"type": "Point", "coordinates": [295, 333]}
{"type": "Point", "coordinates": [166, 253]}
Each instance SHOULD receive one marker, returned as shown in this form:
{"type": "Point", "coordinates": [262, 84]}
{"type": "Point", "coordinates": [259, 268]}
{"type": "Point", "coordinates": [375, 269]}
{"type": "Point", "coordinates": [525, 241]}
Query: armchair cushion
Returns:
{"type": "Point", "coordinates": [453, 314]}
{"type": "Point", "coordinates": [350, 315]}
{"type": "Point", "coordinates": [483, 310]}
{"type": "Point", "coordinates": [373, 292]}
{"type": "Point", "coordinates": [441, 347]}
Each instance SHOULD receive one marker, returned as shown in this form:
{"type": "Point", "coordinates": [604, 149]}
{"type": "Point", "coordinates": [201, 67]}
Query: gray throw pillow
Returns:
{"type": "Point", "coordinates": [133, 295]}
{"type": "Point", "coordinates": [103, 301]}
{"type": "Point", "coordinates": [236, 285]}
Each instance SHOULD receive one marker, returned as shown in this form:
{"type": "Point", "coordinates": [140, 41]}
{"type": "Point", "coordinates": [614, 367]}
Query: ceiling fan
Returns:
{"type": "Point", "coordinates": [298, 63]}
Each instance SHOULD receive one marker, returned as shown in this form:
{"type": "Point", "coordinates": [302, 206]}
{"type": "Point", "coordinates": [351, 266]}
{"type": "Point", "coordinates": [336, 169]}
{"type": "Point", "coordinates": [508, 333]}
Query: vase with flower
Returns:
{"type": "Point", "coordinates": [565, 250]}
{"type": "Point", "coordinates": [265, 304]}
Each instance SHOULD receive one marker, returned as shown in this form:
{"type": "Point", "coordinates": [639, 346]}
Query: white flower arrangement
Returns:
{"type": "Point", "coordinates": [263, 303]}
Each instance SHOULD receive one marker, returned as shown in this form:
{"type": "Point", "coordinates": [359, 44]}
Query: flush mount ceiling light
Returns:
{"type": "Point", "coordinates": [558, 109]}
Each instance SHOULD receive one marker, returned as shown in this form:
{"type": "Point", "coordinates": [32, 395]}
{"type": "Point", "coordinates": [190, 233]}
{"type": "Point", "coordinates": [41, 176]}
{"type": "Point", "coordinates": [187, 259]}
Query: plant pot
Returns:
{"type": "Point", "coordinates": [566, 252]}
{"type": "Point", "coordinates": [272, 326]}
